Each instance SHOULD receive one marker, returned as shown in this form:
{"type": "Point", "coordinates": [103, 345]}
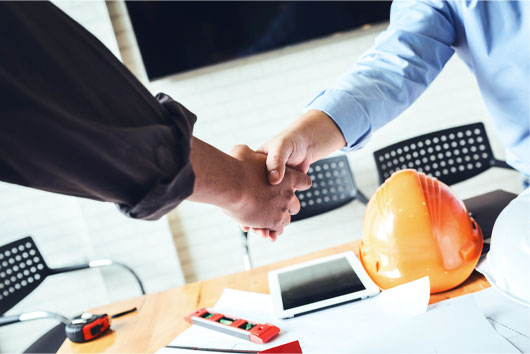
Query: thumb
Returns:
{"type": "Point", "coordinates": [301, 181]}
{"type": "Point", "coordinates": [277, 158]}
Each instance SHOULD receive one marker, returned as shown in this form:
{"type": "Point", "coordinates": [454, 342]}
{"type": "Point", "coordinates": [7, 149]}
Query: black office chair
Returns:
{"type": "Point", "coordinates": [451, 155]}
{"type": "Point", "coordinates": [333, 186]}
{"type": "Point", "coordinates": [22, 270]}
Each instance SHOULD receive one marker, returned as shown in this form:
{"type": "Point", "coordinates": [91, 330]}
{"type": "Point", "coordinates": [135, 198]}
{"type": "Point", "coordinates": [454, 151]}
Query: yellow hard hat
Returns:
{"type": "Point", "coordinates": [415, 226]}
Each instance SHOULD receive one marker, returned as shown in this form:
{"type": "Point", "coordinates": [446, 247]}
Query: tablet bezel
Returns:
{"type": "Point", "coordinates": [275, 291]}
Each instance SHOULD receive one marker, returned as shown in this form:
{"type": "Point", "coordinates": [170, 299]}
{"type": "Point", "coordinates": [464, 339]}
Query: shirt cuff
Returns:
{"type": "Point", "coordinates": [169, 191]}
{"type": "Point", "coordinates": [347, 113]}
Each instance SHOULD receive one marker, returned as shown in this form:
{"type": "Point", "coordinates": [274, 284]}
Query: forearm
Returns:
{"type": "Point", "coordinates": [216, 175]}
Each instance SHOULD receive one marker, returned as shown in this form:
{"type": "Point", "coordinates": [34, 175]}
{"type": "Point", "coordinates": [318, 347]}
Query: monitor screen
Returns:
{"type": "Point", "coordinates": [178, 36]}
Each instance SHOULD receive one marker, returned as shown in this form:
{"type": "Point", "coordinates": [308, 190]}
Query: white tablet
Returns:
{"type": "Point", "coordinates": [319, 283]}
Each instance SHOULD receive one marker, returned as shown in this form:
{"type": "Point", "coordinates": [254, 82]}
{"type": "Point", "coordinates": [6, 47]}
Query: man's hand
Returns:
{"type": "Point", "coordinates": [238, 184]}
{"type": "Point", "coordinates": [262, 205]}
{"type": "Point", "coordinates": [241, 185]}
{"type": "Point", "coordinates": [289, 148]}
{"type": "Point", "coordinates": [311, 137]}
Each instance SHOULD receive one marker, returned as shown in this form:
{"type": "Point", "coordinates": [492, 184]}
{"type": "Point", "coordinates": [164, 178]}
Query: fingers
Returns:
{"type": "Point", "coordinates": [277, 230]}
{"type": "Point", "coordinates": [294, 207]}
{"type": "Point", "coordinates": [277, 156]}
{"type": "Point", "coordinates": [273, 234]}
{"type": "Point", "coordinates": [261, 232]}
{"type": "Point", "coordinates": [268, 234]}
{"type": "Point", "coordinates": [301, 181]}
{"type": "Point", "coordinates": [304, 166]}
{"type": "Point", "coordinates": [286, 222]}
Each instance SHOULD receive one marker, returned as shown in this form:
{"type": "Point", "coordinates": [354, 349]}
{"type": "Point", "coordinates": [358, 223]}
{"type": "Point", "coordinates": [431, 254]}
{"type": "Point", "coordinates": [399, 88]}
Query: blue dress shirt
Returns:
{"type": "Point", "coordinates": [491, 37]}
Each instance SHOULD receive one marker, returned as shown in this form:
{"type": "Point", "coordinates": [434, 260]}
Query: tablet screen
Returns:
{"type": "Point", "coordinates": [318, 282]}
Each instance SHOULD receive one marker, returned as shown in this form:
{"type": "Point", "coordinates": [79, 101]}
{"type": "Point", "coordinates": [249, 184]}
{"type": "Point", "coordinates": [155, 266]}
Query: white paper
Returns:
{"type": "Point", "coordinates": [331, 330]}
{"type": "Point", "coordinates": [508, 318]}
{"type": "Point", "coordinates": [456, 326]}
{"type": "Point", "coordinates": [166, 350]}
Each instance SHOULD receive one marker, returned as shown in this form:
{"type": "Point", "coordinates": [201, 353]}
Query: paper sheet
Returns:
{"type": "Point", "coordinates": [181, 351]}
{"type": "Point", "coordinates": [331, 330]}
{"type": "Point", "coordinates": [509, 319]}
{"type": "Point", "coordinates": [456, 326]}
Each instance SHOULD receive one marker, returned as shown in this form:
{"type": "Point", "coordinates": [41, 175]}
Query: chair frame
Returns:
{"type": "Point", "coordinates": [23, 269]}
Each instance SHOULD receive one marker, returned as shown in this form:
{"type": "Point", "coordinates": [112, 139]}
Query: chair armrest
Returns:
{"type": "Point", "coordinates": [98, 263]}
{"type": "Point", "coordinates": [30, 316]}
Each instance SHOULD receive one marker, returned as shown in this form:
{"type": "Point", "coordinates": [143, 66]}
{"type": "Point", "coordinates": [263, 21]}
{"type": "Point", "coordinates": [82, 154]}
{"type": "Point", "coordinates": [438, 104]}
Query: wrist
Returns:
{"type": "Point", "coordinates": [234, 187]}
{"type": "Point", "coordinates": [217, 176]}
{"type": "Point", "coordinates": [319, 133]}
{"type": "Point", "coordinates": [230, 188]}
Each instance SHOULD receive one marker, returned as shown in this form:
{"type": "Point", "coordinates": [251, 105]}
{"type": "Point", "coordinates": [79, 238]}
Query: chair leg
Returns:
{"type": "Point", "coordinates": [361, 197]}
{"type": "Point", "coordinates": [247, 263]}
{"type": "Point", "coordinates": [49, 342]}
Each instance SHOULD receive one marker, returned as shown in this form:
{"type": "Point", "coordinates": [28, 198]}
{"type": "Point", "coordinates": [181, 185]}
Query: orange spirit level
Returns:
{"type": "Point", "coordinates": [237, 327]}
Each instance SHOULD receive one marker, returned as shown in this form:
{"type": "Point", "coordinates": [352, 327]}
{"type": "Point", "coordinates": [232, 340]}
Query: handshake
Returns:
{"type": "Point", "coordinates": [256, 188]}
{"type": "Point", "coordinates": [264, 207]}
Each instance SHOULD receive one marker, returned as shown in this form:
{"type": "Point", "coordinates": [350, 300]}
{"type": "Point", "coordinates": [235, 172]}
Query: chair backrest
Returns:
{"type": "Point", "coordinates": [451, 155]}
{"type": "Point", "coordinates": [333, 186]}
{"type": "Point", "coordinates": [22, 269]}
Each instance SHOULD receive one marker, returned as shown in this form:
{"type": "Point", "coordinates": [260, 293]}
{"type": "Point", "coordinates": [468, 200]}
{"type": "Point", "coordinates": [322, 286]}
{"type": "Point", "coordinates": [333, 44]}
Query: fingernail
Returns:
{"type": "Point", "coordinates": [274, 175]}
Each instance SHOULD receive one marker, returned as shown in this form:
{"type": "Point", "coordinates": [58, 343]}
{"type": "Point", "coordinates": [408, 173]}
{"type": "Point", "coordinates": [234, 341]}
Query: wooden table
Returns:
{"type": "Point", "coordinates": [159, 318]}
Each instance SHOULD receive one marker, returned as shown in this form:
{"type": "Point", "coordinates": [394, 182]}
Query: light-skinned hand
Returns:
{"type": "Point", "coordinates": [311, 137]}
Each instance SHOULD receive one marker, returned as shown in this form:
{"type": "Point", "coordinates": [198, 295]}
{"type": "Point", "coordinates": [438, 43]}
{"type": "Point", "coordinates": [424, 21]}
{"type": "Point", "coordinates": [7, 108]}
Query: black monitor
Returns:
{"type": "Point", "coordinates": [184, 35]}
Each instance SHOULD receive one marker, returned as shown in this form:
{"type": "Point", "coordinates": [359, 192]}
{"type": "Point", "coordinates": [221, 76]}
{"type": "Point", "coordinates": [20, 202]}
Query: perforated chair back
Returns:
{"type": "Point", "coordinates": [451, 155]}
{"type": "Point", "coordinates": [22, 269]}
{"type": "Point", "coordinates": [333, 186]}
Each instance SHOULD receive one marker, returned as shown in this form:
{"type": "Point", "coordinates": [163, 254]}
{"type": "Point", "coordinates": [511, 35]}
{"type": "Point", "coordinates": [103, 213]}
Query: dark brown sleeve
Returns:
{"type": "Point", "coordinates": [74, 120]}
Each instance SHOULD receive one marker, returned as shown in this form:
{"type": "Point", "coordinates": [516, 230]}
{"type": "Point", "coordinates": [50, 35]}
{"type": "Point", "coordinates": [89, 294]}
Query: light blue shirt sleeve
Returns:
{"type": "Point", "coordinates": [390, 76]}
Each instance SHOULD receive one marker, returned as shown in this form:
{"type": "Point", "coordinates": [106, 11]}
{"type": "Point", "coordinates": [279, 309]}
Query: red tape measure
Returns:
{"type": "Point", "coordinates": [237, 327]}
{"type": "Point", "coordinates": [87, 327]}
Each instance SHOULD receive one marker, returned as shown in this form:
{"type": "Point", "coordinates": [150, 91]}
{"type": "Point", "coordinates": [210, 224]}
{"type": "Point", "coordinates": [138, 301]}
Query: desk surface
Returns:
{"type": "Point", "coordinates": [159, 318]}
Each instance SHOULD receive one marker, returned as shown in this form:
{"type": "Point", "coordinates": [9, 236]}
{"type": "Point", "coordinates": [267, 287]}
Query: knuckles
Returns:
{"type": "Point", "coordinates": [289, 194]}
{"type": "Point", "coordinates": [239, 150]}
